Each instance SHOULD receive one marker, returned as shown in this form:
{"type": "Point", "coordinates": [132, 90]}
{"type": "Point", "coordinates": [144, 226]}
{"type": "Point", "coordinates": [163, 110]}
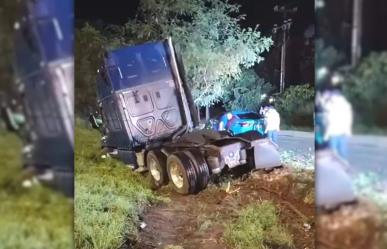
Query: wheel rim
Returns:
{"type": "Point", "coordinates": [176, 175]}
{"type": "Point", "coordinates": [154, 170]}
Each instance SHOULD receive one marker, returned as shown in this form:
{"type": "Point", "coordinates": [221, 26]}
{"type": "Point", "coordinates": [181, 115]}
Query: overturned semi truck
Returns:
{"type": "Point", "coordinates": [149, 119]}
{"type": "Point", "coordinates": [44, 73]}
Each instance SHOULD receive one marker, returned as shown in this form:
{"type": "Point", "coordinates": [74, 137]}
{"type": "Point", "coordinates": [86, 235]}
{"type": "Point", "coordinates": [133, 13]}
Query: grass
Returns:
{"type": "Point", "coordinates": [296, 161]}
{"type": "Point", "coordinates": [34, 218]}
{"type": "Point", "coordinates": [109, 197]}
{"type": "Point", "coordinates": [258, 227]}
{"type": "Point", "coordinates": [372, 186]}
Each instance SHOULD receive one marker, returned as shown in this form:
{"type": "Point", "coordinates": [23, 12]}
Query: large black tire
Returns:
{"type": "Point", "coordinates": [182, 173]}
{"type": "Point", "coordinates": [201, 167]}
{"type": "Point", "coordinates": [156, 164]}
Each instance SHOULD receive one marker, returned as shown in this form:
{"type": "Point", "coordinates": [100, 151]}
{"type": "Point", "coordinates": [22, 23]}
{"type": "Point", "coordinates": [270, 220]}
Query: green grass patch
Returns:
{"type": "Point", "coordinates": [109, 197]}
{"type": "Point", "coordinates": [372, 186]}
{"type": "Point", "coordinates": [34, 218]}
{"type": "Point", "coordinates": [258, 227]}
{"type": "Point", "coordinates": [298, 161]}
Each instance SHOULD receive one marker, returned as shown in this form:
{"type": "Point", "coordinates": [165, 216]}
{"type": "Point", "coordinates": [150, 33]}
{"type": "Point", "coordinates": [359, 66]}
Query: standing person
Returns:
{"type": "Point", "coordinates": [272, 124]}
{"type": "Point", "coordinates": [338, 118]}
{"type": "Point", "coordinates": [230, 122]}
{"type": "Point", "coordinates": [226, 122]}
{"type": "Point", "coordinates": [223, 121]}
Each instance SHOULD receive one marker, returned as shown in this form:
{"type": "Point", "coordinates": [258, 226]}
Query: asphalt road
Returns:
{"type": "Point", "coordinates": [366, 153]}
{"type": "Point", "coordinates": [297, 141]}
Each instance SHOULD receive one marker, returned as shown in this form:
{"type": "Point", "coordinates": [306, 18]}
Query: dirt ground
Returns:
{"type": "Point", "coordinates": [355, 226]}
{"type": "Point", "coordinates": [197, 221]}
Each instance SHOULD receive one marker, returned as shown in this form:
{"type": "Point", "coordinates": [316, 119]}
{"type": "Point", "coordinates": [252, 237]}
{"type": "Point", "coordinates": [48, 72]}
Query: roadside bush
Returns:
{"type": "Point", "coordinates": [245, 93]}
{"type": "Point", "coordinates": [109, 197]}
{"type": "Point", "coordinates": [366, 88]}
{"type": "Point", "coordinates": [296, 105]}
{"type": "Point", "coordinates": [258, 227]}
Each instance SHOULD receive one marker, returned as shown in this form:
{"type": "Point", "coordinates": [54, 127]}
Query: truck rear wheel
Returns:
{"type": "Point", "coordinates": [155, 161]}
{"type": "Point", "coordinates": [201, 168]}
{"type": "Point", "coordinates": [182, 173]}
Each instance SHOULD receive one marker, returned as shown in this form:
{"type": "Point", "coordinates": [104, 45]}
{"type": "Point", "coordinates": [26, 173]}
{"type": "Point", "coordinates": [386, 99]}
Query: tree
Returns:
{"type": "Point", "coordinates": [366, 89]}
{"type": "Point", "coordinates": [8, 15]}
{"type": "Point", "coordinates": [247, 92]}
{"type": "Point", "coordinates": [296, 105]}
{"type": "Point", "coordinates": [327, 56]}
{"type": "Point", "coordinates": [207, 33]}
{"type": "Point", "coordinates": [89, 48]}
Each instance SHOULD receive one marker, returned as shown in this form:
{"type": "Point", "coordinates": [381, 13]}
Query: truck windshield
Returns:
{"type": "Point", "coordinates": [139, 65]}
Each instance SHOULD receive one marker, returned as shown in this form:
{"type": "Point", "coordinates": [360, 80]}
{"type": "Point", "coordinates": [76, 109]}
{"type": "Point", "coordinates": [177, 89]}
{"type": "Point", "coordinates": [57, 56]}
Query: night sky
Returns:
{"type": "Point", "coordinates": [258, 12]}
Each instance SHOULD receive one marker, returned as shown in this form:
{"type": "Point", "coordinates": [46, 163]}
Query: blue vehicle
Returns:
{"type": "Point", "coordinates": [149, 120]}
{"type": "Point", "coordinates": [44, 72]}
{"type": "Point", "coordinates": [241, 122]}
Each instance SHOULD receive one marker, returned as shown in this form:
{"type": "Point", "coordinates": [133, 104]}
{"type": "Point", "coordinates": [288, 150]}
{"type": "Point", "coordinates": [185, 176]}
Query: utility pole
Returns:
{"type": "Point", "coordinates": [356, 31]}
{"type": "Point", "coordinates": [285, 27]}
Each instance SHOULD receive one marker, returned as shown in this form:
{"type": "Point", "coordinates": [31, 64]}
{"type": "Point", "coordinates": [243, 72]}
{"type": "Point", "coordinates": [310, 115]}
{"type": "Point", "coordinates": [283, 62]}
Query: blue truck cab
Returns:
{"type": "Point", "coordinates": [44, 73]}
{"type": "Point", "coordinates": [149, 120]}
{"type": "Point", "coordinates": [141, 80]}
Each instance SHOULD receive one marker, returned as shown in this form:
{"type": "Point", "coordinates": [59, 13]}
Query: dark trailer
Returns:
{"type": "Point", "coordinates": [149, 120]}
{"type": "Point", "coordinates": [44, 70]}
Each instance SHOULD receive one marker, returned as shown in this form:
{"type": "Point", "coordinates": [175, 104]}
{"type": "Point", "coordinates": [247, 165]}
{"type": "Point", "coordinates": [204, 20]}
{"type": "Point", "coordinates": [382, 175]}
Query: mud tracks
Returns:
{"type": "Point", "coordinates": [198, 221]}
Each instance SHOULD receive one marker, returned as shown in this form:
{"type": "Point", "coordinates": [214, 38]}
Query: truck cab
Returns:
{"type": "Point", "coordinates": [149, 120]}
{"type": "Point", "coordinates": [44, 73]}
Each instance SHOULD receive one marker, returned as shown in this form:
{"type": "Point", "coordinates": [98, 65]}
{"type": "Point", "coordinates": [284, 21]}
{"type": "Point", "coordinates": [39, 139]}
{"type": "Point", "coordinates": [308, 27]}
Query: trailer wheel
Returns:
{"type": "Point", "coordinates": [182, 173]}
{"type": "Point", "coordinates": [155, 161]}
{"type": "Point", "coordinates": [201, 168]}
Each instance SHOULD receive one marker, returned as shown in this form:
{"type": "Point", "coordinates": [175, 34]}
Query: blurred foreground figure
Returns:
{"type": "Point", "coordinates": [335, 118]}
{"type": "Point", "coordinates": [44, 72]}
{"type": "Point", "coordinates": [333, 124]}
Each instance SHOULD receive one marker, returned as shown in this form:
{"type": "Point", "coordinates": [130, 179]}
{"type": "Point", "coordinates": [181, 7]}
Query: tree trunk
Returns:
{"type": "Point", "coordinates": [207, 113]}
{"type": "Point", "coordinates": [198, 113]}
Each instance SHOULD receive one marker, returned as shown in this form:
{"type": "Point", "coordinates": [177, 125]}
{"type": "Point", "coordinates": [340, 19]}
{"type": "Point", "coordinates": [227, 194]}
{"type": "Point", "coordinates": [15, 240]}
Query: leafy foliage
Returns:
{"type": "Point", "coordinates": [213, 45]}
{"type": "Point", "coordinates": [258, 227]}
{"type": "Point", "coordinates": [327, 56]}
{"type": "Point", "coordinates": [89, 48]}
{"type": "Point", "coordinates": [366, 86]}
{"type": "Point", "coordinates": [8, 14]}
{"type": "Point", "coordinates": [245, 93]}
{"type": "Point", "coordinates": [296, 105]}
{"type": "Point", "coordinates": [207, 33]}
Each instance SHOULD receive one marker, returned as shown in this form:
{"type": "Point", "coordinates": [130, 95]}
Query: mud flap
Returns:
{"type": "Point", "coordinates": [333, 185]}
{"type": "Point", "coordinates": [266, 154]}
